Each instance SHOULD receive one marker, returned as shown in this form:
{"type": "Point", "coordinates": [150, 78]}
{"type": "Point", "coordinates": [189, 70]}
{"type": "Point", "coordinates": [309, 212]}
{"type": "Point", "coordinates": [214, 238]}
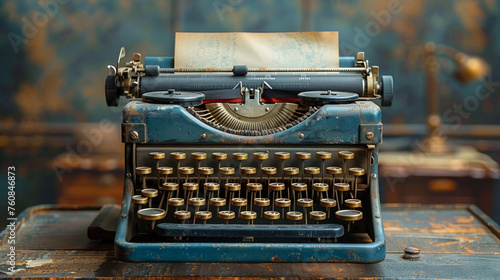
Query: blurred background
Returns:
{"type": "Point", "coordinates": [65, 143]}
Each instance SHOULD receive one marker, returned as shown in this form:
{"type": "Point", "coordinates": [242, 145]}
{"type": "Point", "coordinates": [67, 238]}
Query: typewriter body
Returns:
{"type": "Point", "coordinates": [250, 164]}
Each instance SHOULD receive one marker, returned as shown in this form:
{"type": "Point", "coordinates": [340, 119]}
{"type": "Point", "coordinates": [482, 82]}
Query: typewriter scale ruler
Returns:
{"type": "Point", "coordinates": [182, 98]}
{"type": "Point", "coordinates": [318, 98]}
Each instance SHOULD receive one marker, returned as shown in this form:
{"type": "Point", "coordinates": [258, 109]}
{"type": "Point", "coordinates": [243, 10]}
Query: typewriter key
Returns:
{"type": "Point", "coordinates": [275, 188]}
{"type": "Point", "coordinates": [260, 157]}
{"type": "Point", "coordinates": [262, 202]}
{"type": "Point", "coordinates": [196, 202]}
{"type": "Point", "coordinates": [170, 188]}
{"type": "Point", "coordinates": [272, 215]}
{"type": "Point", "coordinates": [139, 200]}
{"type": "Point", "coordinates": [217, 202]}
{"type": "Point", "coordinates": [334, 171]}
{"type": "Point", "coordinates": [353, 203]}
{"type": "Point", "coordinates": [226, 215]}
{"type": "Point", "coordinates": [163, 170]}
{"type": "Point", "coordinates": [282, 156]}
{"type": "Point", "coordinates": [320, 188]}
{"type": "Point", "coordinates": [150, 194]}
{"type": "Point", "coordinates": [175, 202]}
{"type": "Point", "coordinates": [142, 171]}
{"type": "Point", "coordinates": [356, 172]}
{"type": "Point", "coordinates": [349, 216]}
{"type": "Point", "coordinates": [303, 156]}
{"type": "Point", "coordinates": [204, 170]}
{"type": "Point", "coordinates": [198, 156]}
{"type": "Point", "coordinates": [232, 188]}
{"type": "Point", "coordinates": [178, 156]}
{"type": "Point", "coordinates": [283, 203]}
{"type": "Point", "coordinates": [182, 215]}
{"type": "Point", "coordinates": [151, 214]}
{"type": "Point", "coordinates": [304, 203]}
{"type": "Point", "coordinates": [157, 156]}
{"type": "Point", "coordinates": [341, 187]}
{"type": "Point", "coordinates": [239, 157]}
{"type": "Point", "coordinates": [253, 188]}
{"type": "Point", "coordinates": [345, 155]}
{"type": "Point", "coordinates": [189, 188]}
{"type": "Point", "coordinates": [294, 216]}
{"type": "Point", "coordinates": [312, 171]}
{"type": "Point", "coordinates": [238, 202]}
{"type": "Point", "coordinates": [211, 186]}
{"type": "Point", "coordinates": [300, 187]}
{"type": "Point", "coordinates": [323, 156]}
{"type": "Point", "coordinates": [249, 216]}
{"type": "Point", "coordinates": [328, 203]}
{"type": "Point", "coordinates": [202, 215]}
{"type": "Point", "coordinates": [317, 216]}
{"type": "Point", "coordinates": [290, 171]}
{"type": "Point", "coordinates": [268, 171]}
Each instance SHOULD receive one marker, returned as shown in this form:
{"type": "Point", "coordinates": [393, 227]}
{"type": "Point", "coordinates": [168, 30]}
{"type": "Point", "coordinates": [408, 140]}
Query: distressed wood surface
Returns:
{"type": "Point", "coordinates": [454, 242]}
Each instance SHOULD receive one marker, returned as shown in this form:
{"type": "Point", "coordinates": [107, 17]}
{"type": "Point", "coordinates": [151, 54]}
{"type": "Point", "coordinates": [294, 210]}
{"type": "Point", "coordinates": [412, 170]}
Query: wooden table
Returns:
{"type": "Point", "coordinates": [455, 242]}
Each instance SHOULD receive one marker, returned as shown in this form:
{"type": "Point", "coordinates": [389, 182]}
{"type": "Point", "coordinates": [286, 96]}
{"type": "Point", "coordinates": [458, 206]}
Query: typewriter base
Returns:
{"type": "Point", "coordinates": [355, 250]}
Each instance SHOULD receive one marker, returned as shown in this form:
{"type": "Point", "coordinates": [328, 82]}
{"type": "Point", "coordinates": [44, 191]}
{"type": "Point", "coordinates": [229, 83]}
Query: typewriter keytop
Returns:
{"type": "Point", "coordinates": [294, 215]}
{"type": "Point", "coordinates": [317, 215]}
{"type": "Point", "coordinates": [253, 187]}
{"type": "Point", "coordinates": [157, 155]}
{"type": "Point", "coordinates": [151, 214]}
{"type": "Point", "coordinates": [232, 187]}
{"type": "Point", "coordinates": [211, 186]}
{"type": "Point", "coordinates": [205, 170]}
{"type": "Point", "coordinates": [226, 215]}
{"type": "Point", "coordinates": [346, 155]}
{"type": "Point", "coordinates": [282, 155]}
{"type": "Point", "coordinates": [139, 199]}
{"type": "Point", "coordinates": [190, 186]}
{"type": "Point", "coordinates": [312, 170]}
{"type": "Point", "coordinates": [203, 215]}
{"type": "Point", "coordinates": [303, 155]}
{"type": "Point", "coordinates": [349, 215]}
{"type": "Point", "coordinates": [184, 170]}
{"type": "Point", "coordinates": [324, 155]}
{"type": "Point", "coordinates": [353, 203]}
{"type": "Point", "coordinates": [226, 170]}
{"type": "Point", "coordinates": [248, 170]}
{"type": "Point", "coordinates": [320, 187]}
{"type": "Point", "coordinates": [178, 155]}
{"type": "Point", "coordinates": [260, 156]}
{"type": "Point", "coordinates": [238, 202]}
{"type": "Point", "coordinates": [277, 186]}
{"type": "Point", "coordinates": [165, 170]}
{"type": "Point", "coordinates": [150, 193]}
{"type": "Point", "coordinates": [334, 170]}
{"type": "Point", "coordinates": [219, 156]}
{"type": "Point", "coordinates": [305, 202]}
{"type": "Point", "coordinates": [356, 171]}
{"type": "Point", "coordinates": [328, 202]}
{"type": "Point", "coordinates": [196, 201]}
{"type": "Point", "coordinates": [343, 187]}
{"type": "Point", "coordinates": [217, 201]}
{"type": "Point", "coordinates": [182, 215]}
{"type": "Point", "coordinates": [143, 170]}
{"type": "Point", "coordinates": [175, 201]}
{"type": "Point", "coordinates": [248, 215]}
{"type": "Point", "coordinates": [272, 215]}
{"type": "Point", "coordinates": [240, 156]}
{"type": "Point", "coordinates": [299, 187]}
{"type": "Point", "coordinates": [261, 201]}
{"type": "Point", "coordinates": [283, 202]}
{"type": "Point", "coordinates": [269, 170]}
{"type": "Point", "coordinates": [169, 186]}
{"type": "Point", "coordinates": [198, 156]}
{"type": "Point", "coordinates": [291, 170]}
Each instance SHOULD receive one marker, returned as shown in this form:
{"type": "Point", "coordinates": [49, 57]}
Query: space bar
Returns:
{"type": "Point", "coordinates": [239, 230]}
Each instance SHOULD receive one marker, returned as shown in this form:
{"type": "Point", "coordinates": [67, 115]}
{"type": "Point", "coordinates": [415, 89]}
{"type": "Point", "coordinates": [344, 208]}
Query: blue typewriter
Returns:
{"type": "Point", "coordinates": [249, 164]}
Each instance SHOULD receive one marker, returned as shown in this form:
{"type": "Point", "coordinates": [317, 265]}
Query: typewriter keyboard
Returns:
{"type": "Point", "coordinates": [254, 194]}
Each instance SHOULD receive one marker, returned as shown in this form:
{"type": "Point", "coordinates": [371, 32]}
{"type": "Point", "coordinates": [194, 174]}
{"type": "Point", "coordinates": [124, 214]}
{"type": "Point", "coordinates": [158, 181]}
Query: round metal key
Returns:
{"type": "Point", "coordinates": [357, 171]}
{"type": "Point", "coordinates": [352, 203]}
{"type": "Point", "coordinates": [149, 193]}
{"type": "Point", "coordinates": [349, 215]}
{"type": "Point", "coordinates": [163, 170]}
{"type": "Point", "coordinates": [318, 98]}
{"type": "Point", "coordinates": [203, 215]}
{"type": "Point", "coordinates": [291, 170]}
{"type": "Point", "coordinates": [139, 199]}
{"type": "Point", "coordinates": [248, 215]}
{"type": "Point", "coordinates": [346, 155]}
{"type": "Point", "coordinates": [196, 201]}
{"type": "Point", "coordinates": [205, 170]}
{"type": "Point", "coordinates": [143, 170]}
{"type": "Point", "coordinates": [334, 170]}
{"type": "Point", "coordinates": [294, 215]}
{"type": "Point", "coordinates": [217, 201]}
{"type": "Point", "coordinates": [182, 215]}
{"type": "Point", "coordinates": [169, 186]}
{"type": "Point", "coordinates": [343, 187]}
{"type": "Point", "coordinates": [184, 99]}
{"type": "Point", "coordinates": [151, 214]}
{"type": "Point", "coordinates": [320, 187]}
{"type": "Point", "coordinates": [178, 155]}
{"type": "Point", "coordinates": [175, 201]}
{"type": "Point", "coordinates": [283, 202]}
{"type": "Point", "coordinates": [248, 170]}
{"type": "Point", "coordinates": [317, 215]}
{"type": "Point", "coordinates": [282, 155]}
{"type": "Point", "coordinates": [312, 170]}
{"type": "Point", "coordinates": [277, 186]}
{"type": "Point", "coordinates": [272, 215]}
{"type": "Point", "coordinates": [240, 156]}
{"type": "Point", "coordinates": [226, 170]}
{"type": "Point", "coordinates": [198, 156]}
{"type": "Point", "coordinates": [190, 186]}
{"type": "Point", "coordinates": [157, 155]}
{"type": "Point", "coordinates": [260, 156]}
{"type": "Point", "coordinates": [269, 170]}
{"type": "Point", "coordinates": [254, 187]}
{"type": "Point", "coordinates": [232, 187]}
{"type": "Point", "coordinates": [305, 202]}
{"type": "Point", "coordinates": [299, 187]}
{"type": "Point", "coordinates": [185, 170]}
{"type": "Point", "coordinates": [324, 155]}
{"type": "Point", "coordinates": [303, 155]}
{"type": "Point", "coordinates": [226, 215]}
{"type": "Point", "coordinates": [211, 186]}
{"type": "Point", "coordinates": [261, 201]}
{"type": "Point", "coordinates": [239, 201]}
{"type": "Point", "coordinates": [219, 156]}
{"type": "Point", "coordinates": [328, 202]}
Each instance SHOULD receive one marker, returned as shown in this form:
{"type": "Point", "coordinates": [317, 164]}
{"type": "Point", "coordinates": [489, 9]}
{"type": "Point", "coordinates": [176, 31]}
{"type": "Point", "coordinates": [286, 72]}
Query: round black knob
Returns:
{"type": "Point", "coordinates": [112, 91]}
{"type": "Point", "coordinates": [387, 91]}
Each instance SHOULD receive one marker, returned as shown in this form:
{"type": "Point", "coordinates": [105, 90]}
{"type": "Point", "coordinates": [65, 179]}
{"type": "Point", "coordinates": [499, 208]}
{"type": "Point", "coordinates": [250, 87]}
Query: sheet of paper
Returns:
{"type": "Point", "coordinates": [299, 49]}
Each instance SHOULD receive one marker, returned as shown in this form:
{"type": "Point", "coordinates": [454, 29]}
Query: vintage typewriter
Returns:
{"type": "Point", "coordinates": [250, 164]}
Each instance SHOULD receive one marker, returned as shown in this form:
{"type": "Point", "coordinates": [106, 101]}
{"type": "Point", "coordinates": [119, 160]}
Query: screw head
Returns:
{"type": "Point", "coordinates": [370, 135]}
{"type": "Point", "coordinates": [374, 176]}
{"type": "Point", "coordinates": [203, 136]}
{"type": "Point", "coordinates": [124, 216]}
{"type": "Point", "coordinates": [129, 175]}
{"type": "Point", "coordinates": [236, 109]}
{"type": "Point", "coordinates": [301, 136]}
{"type": "Point", "coordinates": [411, 253]}
{"type": "Point", "coordinates": [134, 135]}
